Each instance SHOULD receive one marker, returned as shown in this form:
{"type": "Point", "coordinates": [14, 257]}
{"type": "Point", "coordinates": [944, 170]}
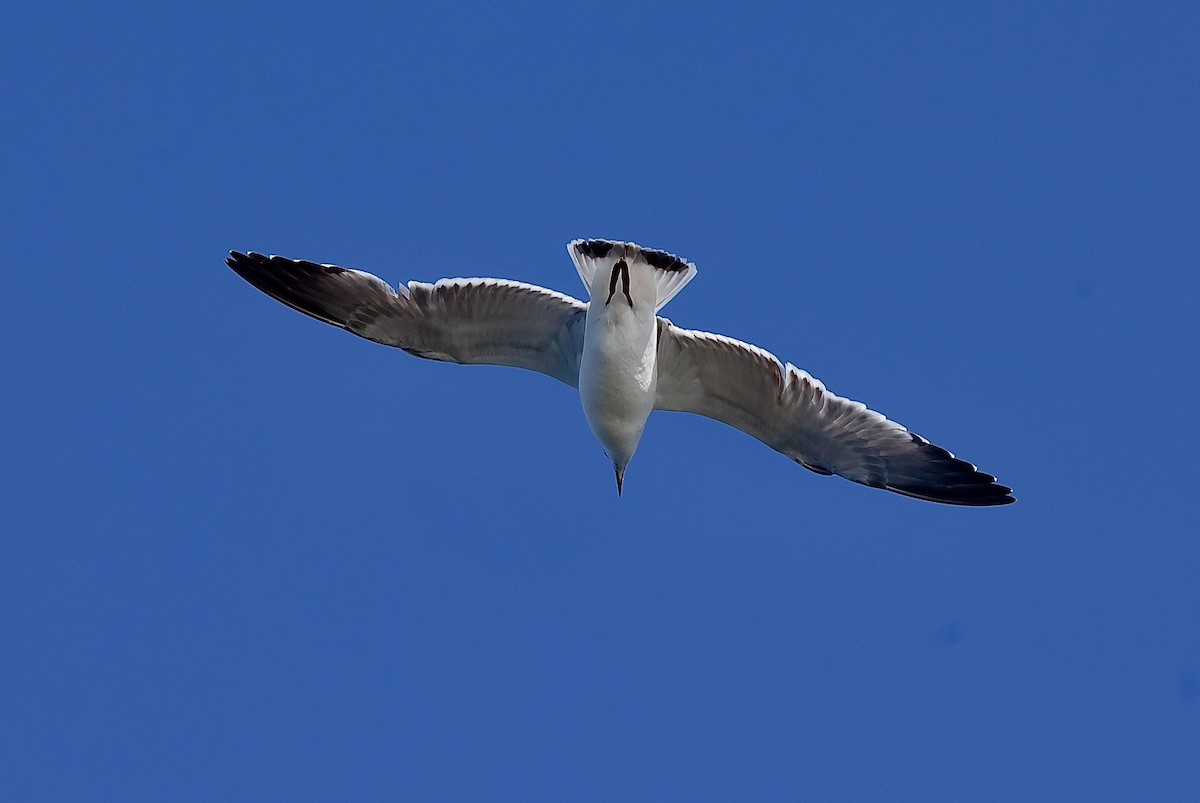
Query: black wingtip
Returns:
{"type": "Point", "coordinates": [934, 474]}
{"type": "Point", "coordinates": [245, 264]}
{"type": "Point", "coordinates": [984, 495]}
{"type": "Point", "coordinates": [304, 286]}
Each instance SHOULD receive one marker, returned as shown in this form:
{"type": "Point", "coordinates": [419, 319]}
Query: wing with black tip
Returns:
{"type": "Point", "coordinates": [790, 411]}
{"type": "Point", "coordinates": [469, 321]}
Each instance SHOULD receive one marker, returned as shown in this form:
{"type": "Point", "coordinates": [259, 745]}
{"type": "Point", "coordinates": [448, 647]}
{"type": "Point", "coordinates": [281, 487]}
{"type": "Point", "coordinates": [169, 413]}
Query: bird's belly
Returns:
{"type": "Point", "coordinates": [617, 382]}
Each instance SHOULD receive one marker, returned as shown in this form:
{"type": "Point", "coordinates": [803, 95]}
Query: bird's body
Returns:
{"type": "Point", "coordinates": [619, 366]}
{"type": "Point", "coordinates": [626, 361]}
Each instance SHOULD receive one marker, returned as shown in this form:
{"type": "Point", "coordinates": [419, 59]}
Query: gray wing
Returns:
{"type": "Point", "coordinates": [471, 321]}
{"type": "Point", "coordinates": [790, 411]}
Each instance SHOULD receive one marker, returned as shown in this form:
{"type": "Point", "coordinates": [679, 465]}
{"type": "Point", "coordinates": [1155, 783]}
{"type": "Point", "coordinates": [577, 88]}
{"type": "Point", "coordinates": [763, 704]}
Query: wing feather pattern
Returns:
{"type": "Point", "coordinates": [792, 412]}
{"type": "Point", "coordinates": [470, 321]}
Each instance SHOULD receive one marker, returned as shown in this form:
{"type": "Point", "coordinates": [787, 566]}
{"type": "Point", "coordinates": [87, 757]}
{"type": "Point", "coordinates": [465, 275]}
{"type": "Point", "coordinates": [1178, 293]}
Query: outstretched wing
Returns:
{"type": "Point", "coordinates": [471, 321]}
{"type": "Point", "coordinates": [790, 411]}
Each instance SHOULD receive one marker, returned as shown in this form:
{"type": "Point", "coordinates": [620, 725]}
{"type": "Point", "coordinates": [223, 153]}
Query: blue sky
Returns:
{"type": "Point", "coordinates": [250, 557]}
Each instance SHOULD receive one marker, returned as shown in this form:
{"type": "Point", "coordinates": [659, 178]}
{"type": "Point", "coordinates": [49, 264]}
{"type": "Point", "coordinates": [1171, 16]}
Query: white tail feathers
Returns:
{"type": "Point", "coordinates": [671, 273]}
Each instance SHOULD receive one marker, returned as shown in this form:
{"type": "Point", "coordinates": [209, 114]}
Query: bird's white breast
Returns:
{"type": "Point", "coordinates": [617, 373]}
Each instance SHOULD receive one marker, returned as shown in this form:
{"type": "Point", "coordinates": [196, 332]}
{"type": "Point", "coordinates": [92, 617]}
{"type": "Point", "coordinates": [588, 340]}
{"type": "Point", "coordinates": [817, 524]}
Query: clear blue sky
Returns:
{"type": "Point", "coordinates": [249, 557]}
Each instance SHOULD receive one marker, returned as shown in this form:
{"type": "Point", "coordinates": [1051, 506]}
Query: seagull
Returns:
{"type": "Point", "coordinates": [627, 361]}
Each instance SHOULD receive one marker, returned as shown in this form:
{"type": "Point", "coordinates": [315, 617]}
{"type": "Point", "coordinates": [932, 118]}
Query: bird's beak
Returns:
{"type": "Point", "coordinates": [620, 478]}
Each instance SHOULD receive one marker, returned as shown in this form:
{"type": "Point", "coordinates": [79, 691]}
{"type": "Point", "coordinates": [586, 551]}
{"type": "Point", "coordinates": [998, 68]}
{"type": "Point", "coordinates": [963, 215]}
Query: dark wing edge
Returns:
{"type": "Point", "coordinates": [349, 299]}
{"type": "Point", "coordinates": [926, 471]}
{"type": "Point", "coordinates": [787, 409]}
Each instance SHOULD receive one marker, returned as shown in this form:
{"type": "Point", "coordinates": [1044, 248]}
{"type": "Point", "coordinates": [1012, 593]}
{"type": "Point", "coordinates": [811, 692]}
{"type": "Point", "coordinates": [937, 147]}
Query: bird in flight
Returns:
{"type": "Point", "coordinates": [627, 361]}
